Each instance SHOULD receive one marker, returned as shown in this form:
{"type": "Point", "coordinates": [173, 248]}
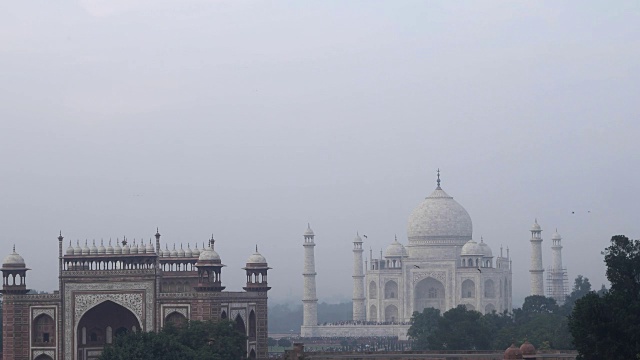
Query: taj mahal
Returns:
{"type": "Point", "coordinates": [440, 266]}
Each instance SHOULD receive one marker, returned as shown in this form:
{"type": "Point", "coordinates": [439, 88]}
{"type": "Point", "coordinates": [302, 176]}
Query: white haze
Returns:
{"type": "Point", "coordinates": [248, 119]}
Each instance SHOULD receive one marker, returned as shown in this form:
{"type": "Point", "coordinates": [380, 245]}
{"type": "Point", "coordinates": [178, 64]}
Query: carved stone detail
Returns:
{"type": "Point", "coordinates": [50, 353]}
{"type": "Point", "coordinates": [438, 275]}
{"type": "Point", "coordinates": [180, 310]}
{"type": "Point", "coordinates": [144, 310]}
{"type": "Point", "coordinates": [35, 312]}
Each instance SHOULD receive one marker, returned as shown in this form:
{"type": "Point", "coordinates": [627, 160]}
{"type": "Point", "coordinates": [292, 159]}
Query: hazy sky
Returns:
{"type": "Point", "coordinates": [248, 119]}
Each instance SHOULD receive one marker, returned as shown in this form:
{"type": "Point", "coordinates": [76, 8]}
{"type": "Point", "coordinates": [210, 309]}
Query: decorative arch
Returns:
{"type": "Point", "coordinates": [175, 318]}
{"type": "Point", "coordinates": [91, 327]}
{"type": "Point", "coordinates": [130, 301]}
{"type": "Point", "coordinates": [489, 309]}
{"type": "Point", "coordinates": [43, 357]}
{"type": "Point", "coordinates": [240, 326]}
{"type": "Point", "coordinates": [43, 330]}
{"type": "Point", "coordinates": [429, 293]}
{"type": "Point", "coordinates": [489, 289]}
{"type": "Point", "coordinates": [373, 290]}
{"type": "Point", "coordinates": [223, 315]}
{"type": "Point", "coordinates": [391, 289]}
{"type": "Point", "coordinates": [252, 325]}
{"type": "Point", "coordinates": [391, 313]}
{"type": "Point", "coordinates": [470, 307]}
{"type": "Point", "coordinates": [468, 289]}
{"type": "Point", "coordinates": [252, 354]}
{"type": "Point", "coordinates": [373, 313]}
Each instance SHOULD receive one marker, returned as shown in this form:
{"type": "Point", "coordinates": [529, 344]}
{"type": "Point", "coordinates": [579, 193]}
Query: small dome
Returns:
{"type": "Point", "coordinates": [395, 249]}
{"type": "Point", "coordinates": [133, 249]}
{"type": "Point", "coordinates": [13, 260]}
{"type": "Point", "coordinates": [512, 353]}
{"type": "Point", "coordinates": [308, 232]}
{"type": "Point", "coordinates": [93, 250]}
{"type": "Point", "coordinates": [527, 348]}
{"type": "Point", "coordinates": [150, 248]}
{"type": "Point", "coordinates": [556, 236]}
{"type": "Point", "coordinates": [486, 250]}
{"type": "Point", "coordinates": [535, 226]}
{"type": "Point", "coordinates": [126, 249]}
{"type": "Point", "coordinates": [141, 248]}
{"type": "Point", "coordinates": [188, 253]}
{"type": "Point", "coordinates": [209, 254]}
{"type": "Point", "coordinates": [77, 250]}
{"type": "Point", "coordinates": [256, 259]}
{"type": "Point", "coordinates": [110, 250]}
{"type": "Point", "coordinates": [85, 249]}
{"type": "Point", "coordinates": [174, 252]}
{"type": "Point", "coordinates": [472, 248]}
{"type": "Point", "coordinates": [70, 249]}
{"type": "Point", "coordinates": [166, 252]}
{"type": "Point", "coordinates": [358, 239]}
{"type": "Point", "coordinates": [196, 252]}
{"type": "Point", "coordinates": [181, 252]}
{"type": "Point", "coordinates": [117, 250]}
{"type": "Point", "coordinates": [101, 249]}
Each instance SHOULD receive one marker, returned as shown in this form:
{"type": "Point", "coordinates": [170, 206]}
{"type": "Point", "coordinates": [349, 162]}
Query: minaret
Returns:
{"type": "Point", "coordinates": [358, 280]}
{"type": "Point", "coordinates": [536, 270]}
{"type": "Point", "coordinates": [557, 280]}
{"type": "Point", "coordinates": [309, 299]}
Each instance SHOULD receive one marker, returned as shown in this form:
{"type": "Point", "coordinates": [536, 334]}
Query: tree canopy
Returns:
{"type": "Point", "coordinates": [194, 340]}
{"type": "Point", "coordinates": [606, 325]}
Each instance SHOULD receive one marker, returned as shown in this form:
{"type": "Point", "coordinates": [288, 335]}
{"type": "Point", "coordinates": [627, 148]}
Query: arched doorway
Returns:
{"type": "Point", "coordinates": [252, 326]}
{"type": "Point", "coordinates": [44, 331]}
{"type": "Point", "coordinates": [252, 354]}
{"type": "Point", "coordinates": [428, 293]}
{"type": "Point", "coordinates": [391, 313]}
{"type": "Point", "coordinates": [390, 290]}
{"type": "Point", "coordinates": [95, 327]}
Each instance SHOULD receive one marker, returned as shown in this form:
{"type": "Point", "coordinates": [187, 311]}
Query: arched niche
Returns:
{"type": "Point", "coordinates": [373, 290]}
{"type": "Point", "coordinates": [429, 293]}
{"type": "Point", "coordinates": [373, 313]}
{"type": "Point", "coordinates": [176, 319]}
{"type": "Point", "coordinates": [43, 331]}
{"type": "Point", "coordinates": [390, 290]}
{"type": "Point", "coordinates": [489, 309]}
{"type": "Point", "coordinates": [252, 326]}
{"type": "Point", "coordinates": [391, 313]}
{"type": "Point", "coordinates": [240, 325]}
{"type": "Point", "coordinates": [489, 289]}
{"type": "Point", "coordinates": [468, 289]}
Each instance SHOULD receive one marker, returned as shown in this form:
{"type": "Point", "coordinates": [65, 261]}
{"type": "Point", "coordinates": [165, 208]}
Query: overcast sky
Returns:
{"type": "Point", "coordinates": [248, 119]}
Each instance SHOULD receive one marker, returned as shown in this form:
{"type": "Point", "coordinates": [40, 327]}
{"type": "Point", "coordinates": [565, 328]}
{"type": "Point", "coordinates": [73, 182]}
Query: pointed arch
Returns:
{"type": "Point", "coordinates": [429, 293]}
{"type": "Point", "coordinates": [252, 354]}
{"type": "Point", "coordinates": [175, 318]}
{"type": "Point", "coordinates": [468, 289]}
{"type": "Point", "coordinates": [252, 325]}
{"type": "Point", "coordinates": [489, 289]}
{"type": "Point", "coordinates": [373, 313]}
{"type": "Point", "coordinates": [240, 326]}
{"type": "Point", "coordinates": [373, 290]}
{"type": "Point", "coordinates": [44, 331]}
{"type": "Point", "coordinates": [391, 313]}
{"type": "Point", "coordinates": [223, 315]}
{"type": "Point", "coordinates": [390, 290]}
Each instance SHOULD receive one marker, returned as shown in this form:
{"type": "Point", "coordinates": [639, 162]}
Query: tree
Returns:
{"type": "Point", "coordinates": [608, 326]}
{"type": "Point", "coordinates": [284, 342]}
{"type": "Point", "coordinates": [272, 342]}
{"type": "Point", "coordinates": [581, 287]}
{"type": "Point", "coordinates": [538, 304]}
{"type": "Point", "coordinates": [460, 329]}
{"type": "Point", "coordinates": [422, 326]}
{"type": "Point", "coordinates": [195, 340]}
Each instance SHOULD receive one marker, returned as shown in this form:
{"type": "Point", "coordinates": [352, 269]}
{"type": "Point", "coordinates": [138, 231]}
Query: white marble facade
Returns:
{"type": "Point", "coordinates": [440, 267]}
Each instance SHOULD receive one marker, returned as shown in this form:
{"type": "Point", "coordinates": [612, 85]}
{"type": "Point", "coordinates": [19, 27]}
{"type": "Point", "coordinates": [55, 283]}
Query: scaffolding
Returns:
{"type": "Point", "coordinates": [557, 284]}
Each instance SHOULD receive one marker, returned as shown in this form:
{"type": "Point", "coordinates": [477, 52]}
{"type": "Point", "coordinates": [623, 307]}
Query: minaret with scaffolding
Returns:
{"type": "Point", "coordinates": [557, 278]}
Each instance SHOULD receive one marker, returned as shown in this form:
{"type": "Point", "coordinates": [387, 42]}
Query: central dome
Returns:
{"type": "Point", "coordinates": [439, 219]}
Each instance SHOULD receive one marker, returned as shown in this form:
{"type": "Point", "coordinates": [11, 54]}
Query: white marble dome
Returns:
{"type": "Point", "coordinates": [486, 250]}
{"type": "Point", "coordinates": [556, 236]}
{"type": "Point", "coordinates": [256, 259]}
{"type": "Point", "coordinates": [472, 248]}
{"type": "Point", "coordinates": [439, 217]}
{"type": "Point", "coordinates": [395, 249]}
{"type": "Point", "coordinates": [208, 254]}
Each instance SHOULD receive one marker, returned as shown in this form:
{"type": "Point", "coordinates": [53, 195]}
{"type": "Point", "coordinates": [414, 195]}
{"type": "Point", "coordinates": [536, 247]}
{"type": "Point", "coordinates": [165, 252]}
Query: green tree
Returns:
{"type": "Point", "coordinates": [193, 341]}
{"type": "Point", "coordinates": [272, 342]}
{"type": "Point", "coordinates": [608, 326]}
{"type": "Point", "coordinates": [538, 304]}
{"type": "Point", "coordinates": [422, 326]}
{"type": "Point", "coordinates": [581, 287]}
{"type": "Point", "coordinates": [284, 342]}
{"type": "Point", "coordinates": [460, 329]}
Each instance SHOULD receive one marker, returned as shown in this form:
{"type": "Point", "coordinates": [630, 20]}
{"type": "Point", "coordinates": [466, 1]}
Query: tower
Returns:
{"type": "Point", "coordinates": [309, 299]}
{"type": "Point", "coordinates": [536, 270]}
{"type": "Point", "coordinates": [14, 274]}
{"type": "Point", "coordinates": [358, 281]}
{"type": "Point", "coordinates": [209, 267]}
{"type": "Point", "coordinates": [557, 280]}
{"type": "Point", "coordinates": [257, 269]}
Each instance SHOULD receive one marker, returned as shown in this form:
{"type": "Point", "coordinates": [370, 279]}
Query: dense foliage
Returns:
{"type": "Point", "coordinates": [606, 325]}
{"type": "Point", "coordinates": [540, 320]}
{"type": "Point", "coordinates": [195, 340]}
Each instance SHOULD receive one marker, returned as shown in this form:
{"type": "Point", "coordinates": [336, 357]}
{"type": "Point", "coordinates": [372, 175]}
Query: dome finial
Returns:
{"type": "Point", "coordinates": [14, 248]}
{"type": "Point", "coordinates": [438, 178]}
{"type": "Point", "coordinates": [256, 248]}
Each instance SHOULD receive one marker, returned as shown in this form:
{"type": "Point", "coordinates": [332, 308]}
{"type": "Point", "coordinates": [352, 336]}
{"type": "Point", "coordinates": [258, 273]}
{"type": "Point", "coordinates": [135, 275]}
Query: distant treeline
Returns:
{"type": "Point", "coordinates": [287, 318]}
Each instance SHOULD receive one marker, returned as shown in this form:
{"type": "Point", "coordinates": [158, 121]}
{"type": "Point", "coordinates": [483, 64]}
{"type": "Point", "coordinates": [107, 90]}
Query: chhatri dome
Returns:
{"type": "Point", "coordinates": [13, 260]}
{"type": "Point", "coordinates": [395, 249]}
